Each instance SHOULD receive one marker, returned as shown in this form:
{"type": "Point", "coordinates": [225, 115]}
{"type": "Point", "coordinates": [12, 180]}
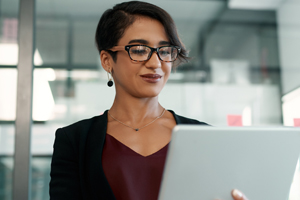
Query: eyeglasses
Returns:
{"type": "Point", "coordinates": [142, 53]}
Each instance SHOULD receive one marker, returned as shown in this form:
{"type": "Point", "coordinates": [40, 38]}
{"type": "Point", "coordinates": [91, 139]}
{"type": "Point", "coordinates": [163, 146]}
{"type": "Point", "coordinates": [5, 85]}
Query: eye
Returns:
{"type": "Point", "coordinates": [139, 50]}
{"type": "Point", "coordinates": [165, 51]}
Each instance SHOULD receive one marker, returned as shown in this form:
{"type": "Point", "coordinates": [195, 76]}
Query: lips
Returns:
{"type": "Point", "coordinates": [151, 78]}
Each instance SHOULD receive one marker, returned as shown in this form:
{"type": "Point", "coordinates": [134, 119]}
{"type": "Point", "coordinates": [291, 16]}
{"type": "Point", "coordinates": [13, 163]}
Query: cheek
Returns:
{"type": "Point", "coordinates": [125, 70]}
{"type": "Point", "coordinates": [167, 70]}
{"type": "Point", "coordinates": [120, 65]}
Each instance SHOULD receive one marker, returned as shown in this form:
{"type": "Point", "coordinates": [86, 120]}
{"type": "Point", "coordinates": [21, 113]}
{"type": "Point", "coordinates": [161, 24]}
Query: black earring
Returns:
{"type": "Point", "coordinates": [110, 83]}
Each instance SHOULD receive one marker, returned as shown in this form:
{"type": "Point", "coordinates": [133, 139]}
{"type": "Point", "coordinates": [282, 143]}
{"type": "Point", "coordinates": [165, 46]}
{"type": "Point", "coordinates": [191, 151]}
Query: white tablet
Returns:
{"type": "Point", "coordinates": [206, 163]}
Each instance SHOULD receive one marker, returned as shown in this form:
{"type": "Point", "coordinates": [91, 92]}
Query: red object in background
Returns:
{"type": "Point", "coordinates": [10, 30]}
{"type": "Point", "coordinates": [234, 120]}
{"type": "Point", "coordinates": [297, 122]}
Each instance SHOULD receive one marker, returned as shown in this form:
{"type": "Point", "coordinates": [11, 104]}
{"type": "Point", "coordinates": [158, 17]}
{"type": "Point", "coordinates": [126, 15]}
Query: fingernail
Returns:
{"type": "Point", "coordinates": [237, 193]}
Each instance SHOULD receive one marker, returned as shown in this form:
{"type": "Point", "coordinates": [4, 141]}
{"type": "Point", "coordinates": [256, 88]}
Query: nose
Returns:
{"type": "Point", "coordinates": [154, 61]}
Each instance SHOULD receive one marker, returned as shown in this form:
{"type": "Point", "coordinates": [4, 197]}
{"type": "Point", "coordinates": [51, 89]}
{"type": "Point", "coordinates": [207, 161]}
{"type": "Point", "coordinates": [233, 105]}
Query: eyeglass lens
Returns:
{"type": "Point", "coordinates": [142, 53]}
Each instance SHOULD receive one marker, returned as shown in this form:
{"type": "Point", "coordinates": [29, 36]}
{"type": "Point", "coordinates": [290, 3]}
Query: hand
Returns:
{"type": "Point", "coordinates": [238, 195]}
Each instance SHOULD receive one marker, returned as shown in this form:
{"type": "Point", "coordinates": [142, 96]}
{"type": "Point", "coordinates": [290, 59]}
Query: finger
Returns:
{"type": "Point", "coordinates": [238, 195]}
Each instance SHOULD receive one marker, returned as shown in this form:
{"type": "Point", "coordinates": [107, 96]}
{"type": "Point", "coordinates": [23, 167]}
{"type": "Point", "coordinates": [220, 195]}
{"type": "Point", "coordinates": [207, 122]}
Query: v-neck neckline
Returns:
{"type": "Point", "coordinates": [133, 151]}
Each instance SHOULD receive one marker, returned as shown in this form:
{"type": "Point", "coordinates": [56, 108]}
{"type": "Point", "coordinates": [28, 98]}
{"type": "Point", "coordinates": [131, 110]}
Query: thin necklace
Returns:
{"type": "Point", "coordinates": [137, 129]}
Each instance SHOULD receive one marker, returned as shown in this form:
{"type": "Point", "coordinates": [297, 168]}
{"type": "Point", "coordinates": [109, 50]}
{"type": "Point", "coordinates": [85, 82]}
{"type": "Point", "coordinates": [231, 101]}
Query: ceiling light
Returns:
{"type": "Point", "coordinates": [254, 4]}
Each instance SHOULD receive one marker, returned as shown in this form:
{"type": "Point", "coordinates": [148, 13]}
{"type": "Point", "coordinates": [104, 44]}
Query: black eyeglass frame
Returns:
{"type": "Point", "coordinates": [127, 48]}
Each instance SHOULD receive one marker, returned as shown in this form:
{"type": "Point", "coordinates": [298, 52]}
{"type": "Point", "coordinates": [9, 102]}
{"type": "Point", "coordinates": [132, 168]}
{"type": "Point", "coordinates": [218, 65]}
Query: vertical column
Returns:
{"type": "Point", "coordinates": [22, 158]}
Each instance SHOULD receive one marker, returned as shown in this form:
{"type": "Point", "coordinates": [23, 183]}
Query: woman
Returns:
{"type": "Point", "coordinates": [121, 154]}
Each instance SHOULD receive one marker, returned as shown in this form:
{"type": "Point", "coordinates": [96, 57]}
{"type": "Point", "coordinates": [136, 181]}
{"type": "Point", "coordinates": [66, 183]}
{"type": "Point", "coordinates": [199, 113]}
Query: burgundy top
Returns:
{"type": "Point", "coordinates": [131, 175]}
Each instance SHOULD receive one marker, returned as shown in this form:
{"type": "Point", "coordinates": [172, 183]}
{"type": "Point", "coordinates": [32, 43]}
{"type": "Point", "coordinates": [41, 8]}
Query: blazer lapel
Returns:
{"type": "Point", "coordinates": [97, 184]}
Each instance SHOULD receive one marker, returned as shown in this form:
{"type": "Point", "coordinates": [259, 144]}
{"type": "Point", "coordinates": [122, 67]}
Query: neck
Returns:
{"type": "Point", "coordinates": [135, 110]}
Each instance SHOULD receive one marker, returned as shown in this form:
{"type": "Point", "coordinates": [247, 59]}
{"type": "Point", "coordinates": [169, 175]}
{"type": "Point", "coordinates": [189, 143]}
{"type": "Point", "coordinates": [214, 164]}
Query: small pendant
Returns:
{"type": "Point", "coordinates": [136, 129]}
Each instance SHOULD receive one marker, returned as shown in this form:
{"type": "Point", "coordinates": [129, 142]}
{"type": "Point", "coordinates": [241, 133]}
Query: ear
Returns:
{"type": "Point", "coordinates": [106, 61]}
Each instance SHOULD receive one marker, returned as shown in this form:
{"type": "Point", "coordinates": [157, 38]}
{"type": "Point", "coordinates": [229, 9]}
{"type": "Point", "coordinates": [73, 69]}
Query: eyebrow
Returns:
{"type": "Point", "coordinates": [164, 43]}
{"type": "Point", "coordinates": [145, 42]}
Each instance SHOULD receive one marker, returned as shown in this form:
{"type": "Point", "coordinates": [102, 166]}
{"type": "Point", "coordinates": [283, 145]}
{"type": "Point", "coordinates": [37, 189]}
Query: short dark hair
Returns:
{"type": "Point", "coordinates": [114, 22]}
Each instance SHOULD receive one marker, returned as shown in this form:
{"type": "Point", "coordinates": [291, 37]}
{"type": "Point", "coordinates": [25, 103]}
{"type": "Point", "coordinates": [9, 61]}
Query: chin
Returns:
{"type": "Point", "coordinates": [149, 93]}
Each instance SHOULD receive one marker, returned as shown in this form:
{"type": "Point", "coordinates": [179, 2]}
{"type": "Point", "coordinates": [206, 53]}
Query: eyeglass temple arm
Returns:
{"type": "Point", "coordinates": [118, 48]}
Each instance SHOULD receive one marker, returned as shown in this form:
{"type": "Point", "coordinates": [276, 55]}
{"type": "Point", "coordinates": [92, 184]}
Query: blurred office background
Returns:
{"type": "Point", "coordinates": [245, 62]}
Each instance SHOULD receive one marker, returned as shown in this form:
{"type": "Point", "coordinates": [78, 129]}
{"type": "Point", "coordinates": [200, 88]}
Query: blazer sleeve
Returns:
{"type": "Point", "coordinates": [64, 183]}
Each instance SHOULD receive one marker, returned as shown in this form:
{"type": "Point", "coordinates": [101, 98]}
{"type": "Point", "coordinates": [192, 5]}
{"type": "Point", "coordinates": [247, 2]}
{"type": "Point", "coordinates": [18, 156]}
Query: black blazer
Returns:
{"type": "Point", "coordinates": [76, 168]}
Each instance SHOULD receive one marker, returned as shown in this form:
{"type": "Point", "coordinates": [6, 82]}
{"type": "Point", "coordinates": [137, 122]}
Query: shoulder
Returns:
{"type": "Point", "coordinates": [82, 127]}
{"type": "Point", "coordinates": [184, 120]}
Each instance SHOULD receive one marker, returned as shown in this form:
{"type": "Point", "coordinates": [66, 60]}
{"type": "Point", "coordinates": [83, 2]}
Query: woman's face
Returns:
{"type": "Point", "coordinates": [142, 79]}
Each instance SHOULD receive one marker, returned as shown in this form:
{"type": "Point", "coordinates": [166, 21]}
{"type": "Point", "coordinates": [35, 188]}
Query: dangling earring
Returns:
{"type": "Point", "coordinates": [110, 82]}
